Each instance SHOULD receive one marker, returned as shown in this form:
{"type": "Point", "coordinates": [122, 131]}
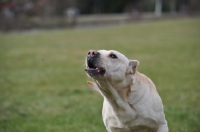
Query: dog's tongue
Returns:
{"type": "Point", "coordinates": [98, 70]}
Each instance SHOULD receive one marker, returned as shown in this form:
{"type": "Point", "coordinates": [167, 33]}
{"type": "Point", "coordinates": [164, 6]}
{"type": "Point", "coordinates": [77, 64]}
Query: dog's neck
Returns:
{"type": "Point", "coordinates": [116, 93]}
{"type": "Point", "coordinates": [106, 84]}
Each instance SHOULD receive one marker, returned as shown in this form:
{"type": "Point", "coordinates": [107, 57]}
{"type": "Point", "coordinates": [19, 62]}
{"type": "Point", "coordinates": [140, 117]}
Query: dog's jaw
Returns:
{"type": "Point", "coordinates": [95, 72]}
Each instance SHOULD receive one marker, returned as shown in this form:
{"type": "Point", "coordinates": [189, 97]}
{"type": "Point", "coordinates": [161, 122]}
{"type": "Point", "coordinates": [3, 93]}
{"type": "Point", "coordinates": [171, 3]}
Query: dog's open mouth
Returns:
{"type": "Point", "coordinates": [94, 71]}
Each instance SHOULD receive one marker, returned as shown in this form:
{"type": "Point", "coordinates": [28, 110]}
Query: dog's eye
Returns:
{"type": "Point", "coordinates": [113, 56]}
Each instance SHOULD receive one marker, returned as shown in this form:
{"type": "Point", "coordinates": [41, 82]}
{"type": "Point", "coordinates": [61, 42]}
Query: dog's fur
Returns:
{"type": "Point", "coordinates": [131, 102]}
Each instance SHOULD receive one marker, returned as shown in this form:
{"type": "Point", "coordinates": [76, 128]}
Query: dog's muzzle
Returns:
{"type": "Point", "coordinates": [93, 63]}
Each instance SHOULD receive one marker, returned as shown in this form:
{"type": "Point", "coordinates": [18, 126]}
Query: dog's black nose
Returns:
{"type": "Point", "coordinates": [92, 53]}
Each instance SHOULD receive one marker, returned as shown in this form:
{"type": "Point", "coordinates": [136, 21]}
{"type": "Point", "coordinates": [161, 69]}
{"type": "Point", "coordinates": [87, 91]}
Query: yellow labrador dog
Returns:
{"type": "Point", "coordinates": [131, 102]}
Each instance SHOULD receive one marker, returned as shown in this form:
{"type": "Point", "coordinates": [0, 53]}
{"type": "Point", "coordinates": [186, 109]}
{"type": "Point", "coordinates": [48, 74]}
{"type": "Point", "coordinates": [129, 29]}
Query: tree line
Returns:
{"type": "Point", "coordinates": [58, 7]}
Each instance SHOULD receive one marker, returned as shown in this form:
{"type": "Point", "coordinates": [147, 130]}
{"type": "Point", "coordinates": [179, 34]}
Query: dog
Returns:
{"type": "Point", "coordinates": [131, 102]}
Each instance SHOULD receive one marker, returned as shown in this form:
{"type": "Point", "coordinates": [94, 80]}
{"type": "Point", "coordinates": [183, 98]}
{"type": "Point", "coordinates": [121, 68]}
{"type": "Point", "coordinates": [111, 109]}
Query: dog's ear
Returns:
{"type": "Point", "coordinates": [133, 66]}
{"type": "Point", "coordinates": [93, 86]}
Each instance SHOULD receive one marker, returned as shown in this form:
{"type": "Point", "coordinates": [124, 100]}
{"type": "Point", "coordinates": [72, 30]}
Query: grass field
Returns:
{"type": "Point", "coordinates": [43, 83]}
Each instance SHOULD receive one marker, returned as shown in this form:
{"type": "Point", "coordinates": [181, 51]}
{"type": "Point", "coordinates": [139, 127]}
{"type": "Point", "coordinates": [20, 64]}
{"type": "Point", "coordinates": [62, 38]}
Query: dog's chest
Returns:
{"type": "Point", "coordinates": [127, 121]}
{"type": "Point", "coordinates": [117, 117]}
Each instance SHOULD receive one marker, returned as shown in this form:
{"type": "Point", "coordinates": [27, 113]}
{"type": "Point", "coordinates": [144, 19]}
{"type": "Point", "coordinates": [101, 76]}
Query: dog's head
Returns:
{"type": "Point", "coordinates": [110, 64]}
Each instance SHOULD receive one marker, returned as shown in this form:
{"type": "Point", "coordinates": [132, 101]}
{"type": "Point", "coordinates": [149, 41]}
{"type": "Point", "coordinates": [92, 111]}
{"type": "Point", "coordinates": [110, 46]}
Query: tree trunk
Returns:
{"type": "Point", "coordinates": [173, 7]}
{"type": "Point", "coordinates": [158, 8]}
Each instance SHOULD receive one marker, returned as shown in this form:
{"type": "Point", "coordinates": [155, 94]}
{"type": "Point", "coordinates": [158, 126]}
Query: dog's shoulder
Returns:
{"type": "Point", "coordinates": [145, 81]}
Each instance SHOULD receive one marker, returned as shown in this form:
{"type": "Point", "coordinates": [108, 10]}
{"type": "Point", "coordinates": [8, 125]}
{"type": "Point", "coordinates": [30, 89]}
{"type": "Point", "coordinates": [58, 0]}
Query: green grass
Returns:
{"type": "Point", "coordinates": [43, 83]}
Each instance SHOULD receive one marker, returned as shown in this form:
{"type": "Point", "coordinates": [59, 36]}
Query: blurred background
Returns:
{"type": "Point", "coordinates": [43, 45]}
{"type": "Point", "coordinates": [51, 14]}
